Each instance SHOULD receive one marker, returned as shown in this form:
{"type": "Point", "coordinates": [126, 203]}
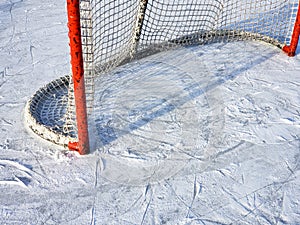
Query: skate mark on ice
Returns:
{"type": "Point", "coordinates": [229, 149]}
{"type": "Point", "coordinates": [40, 165]}
{"type": "Point", "coordinates": [99, 167]}
{"type": "Point", "coordinates": [18, 181]}
{"type": "Point", "coordinates": [190, 209]}
{"type": "Point", "coordinates": [10, 169]}
{"type": "Point", "coordinates": [6, 122]}
{"type": "Point", "coordinates": [148, 195]}
{"type": "Point", "coordinates": [197, 190]}
{"type": "Point", "coordinates": [248, 209]}
{"type": "Point", "coordinates": [93, 221]}
{"type": "Point", "coordinates": [14, 173]}
{"type": "Point", "coordinates": [255, 209]}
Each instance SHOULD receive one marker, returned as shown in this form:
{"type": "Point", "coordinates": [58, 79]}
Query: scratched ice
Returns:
{"type": "Point", "coordinates": [197, 135]}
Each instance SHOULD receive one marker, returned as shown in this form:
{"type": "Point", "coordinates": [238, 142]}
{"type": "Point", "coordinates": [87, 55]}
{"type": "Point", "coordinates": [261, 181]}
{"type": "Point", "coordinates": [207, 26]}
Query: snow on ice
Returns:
{"type": "Point", "coordinates": [197, 135]}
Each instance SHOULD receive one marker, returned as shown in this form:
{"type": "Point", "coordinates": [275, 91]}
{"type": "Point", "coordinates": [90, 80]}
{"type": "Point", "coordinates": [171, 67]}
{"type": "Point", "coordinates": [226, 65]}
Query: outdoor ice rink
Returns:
{"type": "Point", "coordinates": [197, 135]}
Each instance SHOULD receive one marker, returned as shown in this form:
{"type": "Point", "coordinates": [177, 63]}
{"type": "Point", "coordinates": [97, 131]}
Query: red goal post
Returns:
{"type": "Point", "coordinates": [292, 47]}
{"type": "Point", "coordinates": [82, 145]}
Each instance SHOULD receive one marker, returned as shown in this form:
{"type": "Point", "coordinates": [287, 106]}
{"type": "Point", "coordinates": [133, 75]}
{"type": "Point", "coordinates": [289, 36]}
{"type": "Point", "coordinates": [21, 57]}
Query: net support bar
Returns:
{"type": "Point", "coordinates": [82, 146]}
{"type": "Point", "coordinates": [139, 25]}
{"type": "Point", "coordinates": [291, 49]}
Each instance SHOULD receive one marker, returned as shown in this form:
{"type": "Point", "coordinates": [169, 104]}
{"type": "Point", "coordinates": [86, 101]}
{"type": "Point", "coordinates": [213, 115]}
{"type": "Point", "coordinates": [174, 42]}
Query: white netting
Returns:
{"type": "Point", "coordinates": [114, 32]}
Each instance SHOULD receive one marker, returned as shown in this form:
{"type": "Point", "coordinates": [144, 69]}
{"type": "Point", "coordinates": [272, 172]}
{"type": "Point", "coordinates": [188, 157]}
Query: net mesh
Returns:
{"type": "Point", "coordinates": [114, 32]}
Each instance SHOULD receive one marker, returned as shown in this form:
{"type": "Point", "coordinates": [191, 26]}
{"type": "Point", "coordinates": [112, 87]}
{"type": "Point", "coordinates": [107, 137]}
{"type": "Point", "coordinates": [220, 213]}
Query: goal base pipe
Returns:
{"type": "Point", "coordinates": [82, 146]}
{"type": "Point", "coordinates": [290, 50]}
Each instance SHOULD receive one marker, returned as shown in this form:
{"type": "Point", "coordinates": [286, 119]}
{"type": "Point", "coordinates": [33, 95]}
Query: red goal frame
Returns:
{"type": "Point", "coordinates": [290, 50]}
{"type": "Point", "coordinates": [82, 145]}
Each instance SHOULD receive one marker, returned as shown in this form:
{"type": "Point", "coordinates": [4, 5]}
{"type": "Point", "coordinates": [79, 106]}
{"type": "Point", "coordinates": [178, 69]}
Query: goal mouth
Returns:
{"type": "Point", "coordinates": [101, 40]}
{"type": "Point", "coordinates": [46, 113]}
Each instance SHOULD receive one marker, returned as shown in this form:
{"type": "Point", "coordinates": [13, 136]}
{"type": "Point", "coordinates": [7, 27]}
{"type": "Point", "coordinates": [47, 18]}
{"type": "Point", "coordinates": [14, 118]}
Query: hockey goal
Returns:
{"type": "Point", "coordinates": [106, 34]}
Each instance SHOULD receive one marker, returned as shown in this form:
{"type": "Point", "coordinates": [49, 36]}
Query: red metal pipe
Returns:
{"type": "Point", "coordinates": [291, 49]}
{"type": "Point", "coordinates": [82, 146]}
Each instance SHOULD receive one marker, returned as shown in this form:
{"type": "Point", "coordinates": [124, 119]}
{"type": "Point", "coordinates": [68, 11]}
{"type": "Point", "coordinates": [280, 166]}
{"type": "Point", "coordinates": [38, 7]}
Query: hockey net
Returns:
{"type": "Point", "coordinates": [115, 32]}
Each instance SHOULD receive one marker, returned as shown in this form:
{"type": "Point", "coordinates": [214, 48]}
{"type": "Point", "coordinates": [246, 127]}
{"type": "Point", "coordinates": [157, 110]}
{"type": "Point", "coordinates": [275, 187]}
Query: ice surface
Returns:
{"type": "Point", "coordinates": [197, 135]}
